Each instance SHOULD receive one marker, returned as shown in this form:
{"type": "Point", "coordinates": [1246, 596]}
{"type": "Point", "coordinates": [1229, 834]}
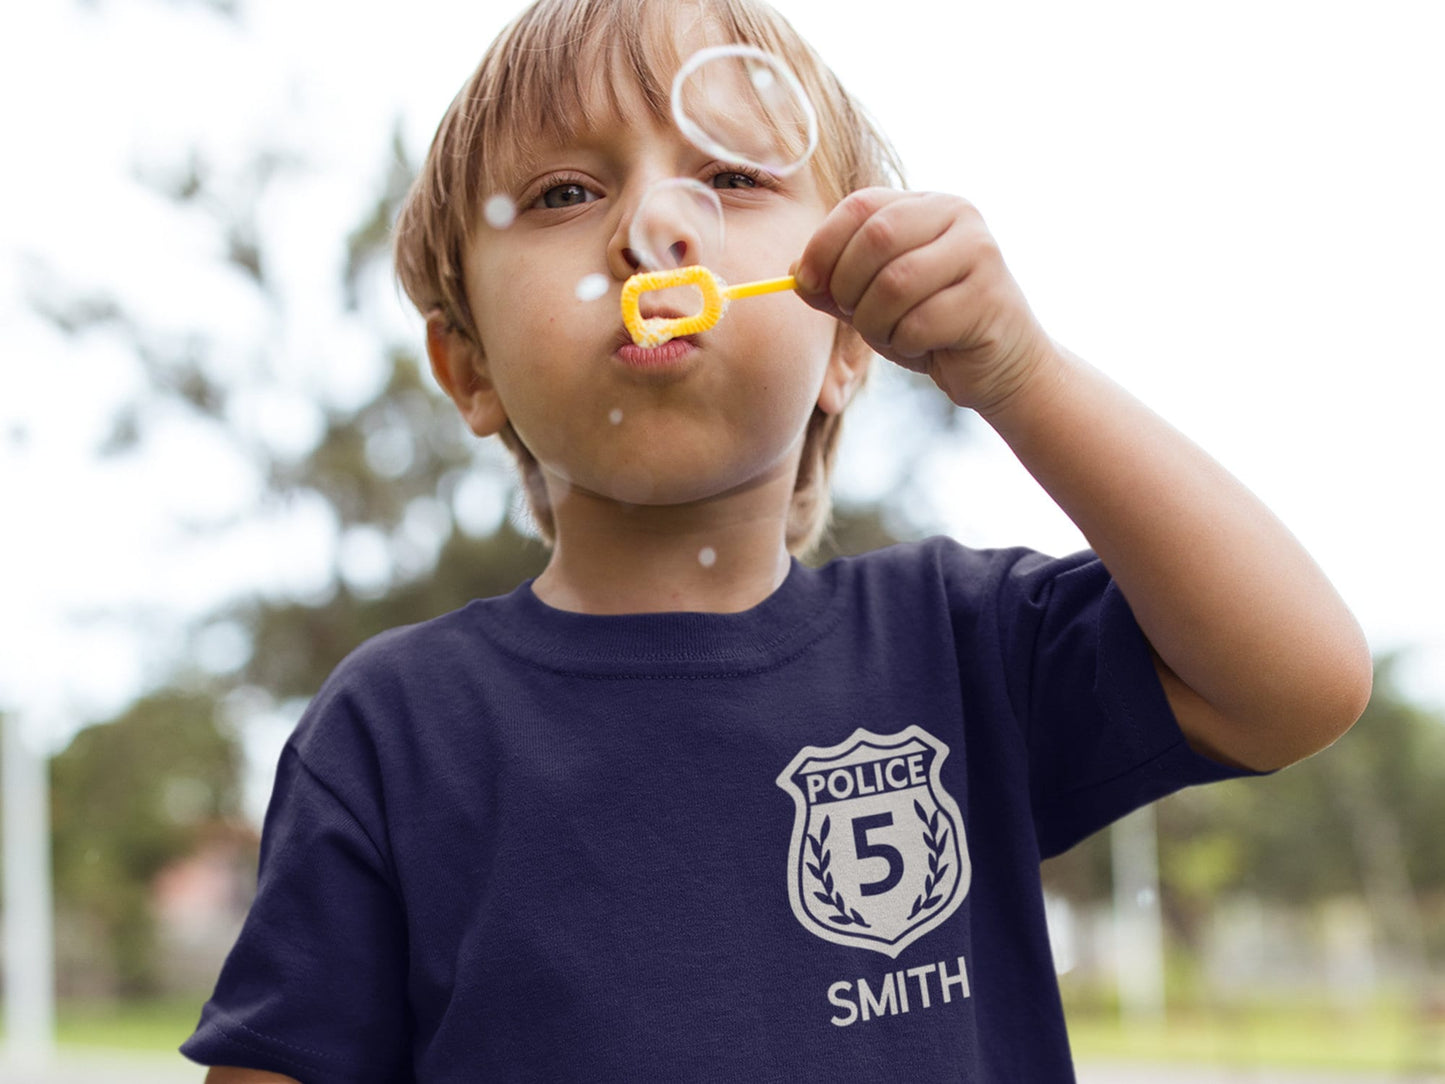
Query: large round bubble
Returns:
{"type": "Point", "coordinates": [744, 105]}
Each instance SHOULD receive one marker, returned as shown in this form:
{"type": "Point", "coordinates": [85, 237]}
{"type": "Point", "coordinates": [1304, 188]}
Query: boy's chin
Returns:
{"type": "Point", "coordinates": [640, 488]}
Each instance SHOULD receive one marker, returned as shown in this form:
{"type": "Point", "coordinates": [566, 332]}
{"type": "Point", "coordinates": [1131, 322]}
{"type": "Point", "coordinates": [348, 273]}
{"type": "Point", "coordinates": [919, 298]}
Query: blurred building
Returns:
{"type": "Point", "coordinates": [196, 906]}
{"type": "Point", "coordinates": [199, 904]}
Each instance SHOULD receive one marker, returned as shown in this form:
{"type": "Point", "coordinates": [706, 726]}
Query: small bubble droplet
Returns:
{"type": "Point", "coordinates": [615, 417]}
{"type": "Point", "coordinates": [707, 557]}
{"type": "Point", "coordinates": [499, 211]}
{"type": "Point", "coordinates": [591, 287]}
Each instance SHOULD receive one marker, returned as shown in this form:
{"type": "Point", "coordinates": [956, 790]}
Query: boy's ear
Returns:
{"type": "Point", "coordinates": [461, 369]}
{"type": "Point", "coordinates": [847, 368]}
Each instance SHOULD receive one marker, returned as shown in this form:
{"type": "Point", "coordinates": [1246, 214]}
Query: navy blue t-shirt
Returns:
{"type": "Point", "coordinates": [796, 843]}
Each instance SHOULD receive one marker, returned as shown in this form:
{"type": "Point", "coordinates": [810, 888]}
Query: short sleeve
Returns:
{"type": "Point", "coordinates": [315, 985]}
{"type": "Point", "coordinates": [1101, 737]}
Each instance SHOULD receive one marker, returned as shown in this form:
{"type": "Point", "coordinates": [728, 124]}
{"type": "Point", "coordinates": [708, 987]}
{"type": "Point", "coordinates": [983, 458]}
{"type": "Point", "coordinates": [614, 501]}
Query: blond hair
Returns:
{"type": "Point", "coordinates": [533, 85]}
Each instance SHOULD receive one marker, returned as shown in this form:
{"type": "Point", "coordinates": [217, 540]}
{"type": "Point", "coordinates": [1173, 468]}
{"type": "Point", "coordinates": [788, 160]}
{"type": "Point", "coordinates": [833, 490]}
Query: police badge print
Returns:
{"type": "Point", "coordinates": [878, 856]}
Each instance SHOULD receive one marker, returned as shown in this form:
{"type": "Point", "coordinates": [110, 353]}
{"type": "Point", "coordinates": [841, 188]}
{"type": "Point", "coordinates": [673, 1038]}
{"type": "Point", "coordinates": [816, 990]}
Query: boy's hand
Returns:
{"type": "Point", "coordinates": [919, 276]}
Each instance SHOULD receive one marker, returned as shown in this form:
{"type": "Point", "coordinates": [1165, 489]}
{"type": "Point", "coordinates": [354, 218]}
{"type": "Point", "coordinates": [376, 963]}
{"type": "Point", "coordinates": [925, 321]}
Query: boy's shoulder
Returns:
{"type": "Point", "coordinates": [941, 552]}
{"type": "Point", "coordinates": [970, 576]}
{"type": "Point", "coordinates": [404, 648]}
{"type": "Point", "coordinates": [391, 674]}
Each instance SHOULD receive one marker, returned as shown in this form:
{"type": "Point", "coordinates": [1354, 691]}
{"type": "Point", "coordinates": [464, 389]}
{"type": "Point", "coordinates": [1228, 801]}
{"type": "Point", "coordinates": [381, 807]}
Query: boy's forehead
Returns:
{"type": "Point", "coordinates": [610, 90]}
{"type": "Point", "coordinates": [582, 87]}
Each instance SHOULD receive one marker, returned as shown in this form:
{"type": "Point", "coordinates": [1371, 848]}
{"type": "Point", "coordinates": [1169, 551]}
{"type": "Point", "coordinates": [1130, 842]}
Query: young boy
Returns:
{"type": "Point", "coordinates": [683, 808]}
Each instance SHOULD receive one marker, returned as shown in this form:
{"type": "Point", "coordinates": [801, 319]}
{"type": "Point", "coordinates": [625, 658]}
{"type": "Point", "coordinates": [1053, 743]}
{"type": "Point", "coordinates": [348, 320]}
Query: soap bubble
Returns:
{"type": "Point", "coordinates": [499, 211]}
{"type": "Point", "coordinates": [744, 105]}
{"type": "Point", "coordinates": [707, 557]}
{"type": "Point", "coordinates": [678, 223]}
{"type": "Point", "coordinates": [591, 287]}
{"type": "Point", "coordinates": [615, 416]}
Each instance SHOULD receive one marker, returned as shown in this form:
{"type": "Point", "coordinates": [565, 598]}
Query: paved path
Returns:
{"type": "Point", "coordinates": [105, 1067]}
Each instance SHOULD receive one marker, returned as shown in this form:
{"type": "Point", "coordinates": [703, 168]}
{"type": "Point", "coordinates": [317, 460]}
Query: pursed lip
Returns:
{"type": "Point", "coordinates": [664, 356]}
{"type": "Point", "coordinates": [668, 356]}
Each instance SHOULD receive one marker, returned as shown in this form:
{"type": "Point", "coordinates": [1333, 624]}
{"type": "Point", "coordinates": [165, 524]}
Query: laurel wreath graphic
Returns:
{"type": "Point", "coordinates": [937, 842]}
{"type": "Point", "coordinates": [846, 915]}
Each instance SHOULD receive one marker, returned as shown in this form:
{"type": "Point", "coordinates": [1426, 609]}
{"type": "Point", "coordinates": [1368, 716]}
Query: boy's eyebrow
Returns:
{"type": "Point", "coordinates": [518, 169]}
{"type": "Point", "coordinates": [602, 139]}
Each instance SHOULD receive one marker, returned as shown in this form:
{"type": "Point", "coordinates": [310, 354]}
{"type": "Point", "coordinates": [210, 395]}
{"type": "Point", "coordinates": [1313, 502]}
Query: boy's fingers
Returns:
{"type": "Point", "coordinates": [892, 264]}
{"type": "Point", "coordinates": [931, 325]}
{"type": "Point", "coordinates": [815, 268]}
{"type": "Point", "coordinates": [905, 282]}
{"type": "Point", "coordinates": [899, 256]}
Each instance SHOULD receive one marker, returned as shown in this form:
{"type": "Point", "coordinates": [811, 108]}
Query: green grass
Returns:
{"type": "Point", "coordinates": [1291, 1035]}
{"type": "Point", "coordinates": [145, 1025]}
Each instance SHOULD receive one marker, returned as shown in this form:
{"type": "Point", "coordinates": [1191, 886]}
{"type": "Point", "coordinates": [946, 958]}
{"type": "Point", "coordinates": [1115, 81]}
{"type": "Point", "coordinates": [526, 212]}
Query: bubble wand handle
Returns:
{"type": "Point", "coordinates": [656, 330]}
{"type": "Point", "coordinates": [762, 286]}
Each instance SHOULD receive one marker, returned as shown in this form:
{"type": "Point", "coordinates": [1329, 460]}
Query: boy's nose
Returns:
{"type": "Point", "coordinates": [675, 222]}
{"type": "Point", "coordinates": [660, 252]}
{"type": "Point", "coordinates": [676, 256]}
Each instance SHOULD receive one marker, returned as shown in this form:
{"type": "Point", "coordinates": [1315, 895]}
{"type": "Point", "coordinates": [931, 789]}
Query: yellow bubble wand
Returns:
{"type": "Point", "coordinates": [656, 330]}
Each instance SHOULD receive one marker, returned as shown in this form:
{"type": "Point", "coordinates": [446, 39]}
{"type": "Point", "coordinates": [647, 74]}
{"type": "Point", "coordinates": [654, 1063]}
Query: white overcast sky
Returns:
{"type": "Point", "coordinates": [1234, 208]}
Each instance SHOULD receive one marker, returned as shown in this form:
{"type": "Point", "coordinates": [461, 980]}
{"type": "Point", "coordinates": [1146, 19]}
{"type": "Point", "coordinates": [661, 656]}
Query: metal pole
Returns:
{"type": "Point", "coordinates": [1138, 922]}
{"type": "Point", "coordinates": [29, 918]}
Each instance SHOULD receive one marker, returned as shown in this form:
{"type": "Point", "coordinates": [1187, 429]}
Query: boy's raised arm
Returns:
{"type": "Point", "coordinates": [1261, 660]}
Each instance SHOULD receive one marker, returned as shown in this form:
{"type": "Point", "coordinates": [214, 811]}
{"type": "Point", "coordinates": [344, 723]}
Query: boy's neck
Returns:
{"type": "Point", "coordinates": [610, 559]}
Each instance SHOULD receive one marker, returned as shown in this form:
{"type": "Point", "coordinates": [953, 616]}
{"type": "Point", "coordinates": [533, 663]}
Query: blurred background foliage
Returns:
{"type": "Point", "coordinates": [137, 797]}
{"type": "Point", "coordinates": [1360, 819]}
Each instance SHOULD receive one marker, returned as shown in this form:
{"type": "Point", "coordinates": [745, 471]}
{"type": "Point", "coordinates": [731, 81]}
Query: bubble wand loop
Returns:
{"type": "Point", "coordinates": [656, 330]}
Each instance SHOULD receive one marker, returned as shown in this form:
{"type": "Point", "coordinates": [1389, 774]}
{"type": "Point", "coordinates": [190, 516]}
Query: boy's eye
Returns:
{"type": "Point", "coordinates": [732, 179]}
{"type": "Point", "coordinates": [570, 194]}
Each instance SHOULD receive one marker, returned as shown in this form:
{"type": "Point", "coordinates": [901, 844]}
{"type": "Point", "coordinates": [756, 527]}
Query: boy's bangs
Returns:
{"type": "Point", "coordinates": [566, 72]}
{"type": "Point", "coordinates": [566, 64]}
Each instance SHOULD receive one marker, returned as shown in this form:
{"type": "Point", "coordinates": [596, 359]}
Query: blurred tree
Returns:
{"type": "Point", "coordinates": [1359, 819]}
{"type": "Point", "coordinates": [128, 797]}
{"type": "Point", "coordinates": [297, 644]}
